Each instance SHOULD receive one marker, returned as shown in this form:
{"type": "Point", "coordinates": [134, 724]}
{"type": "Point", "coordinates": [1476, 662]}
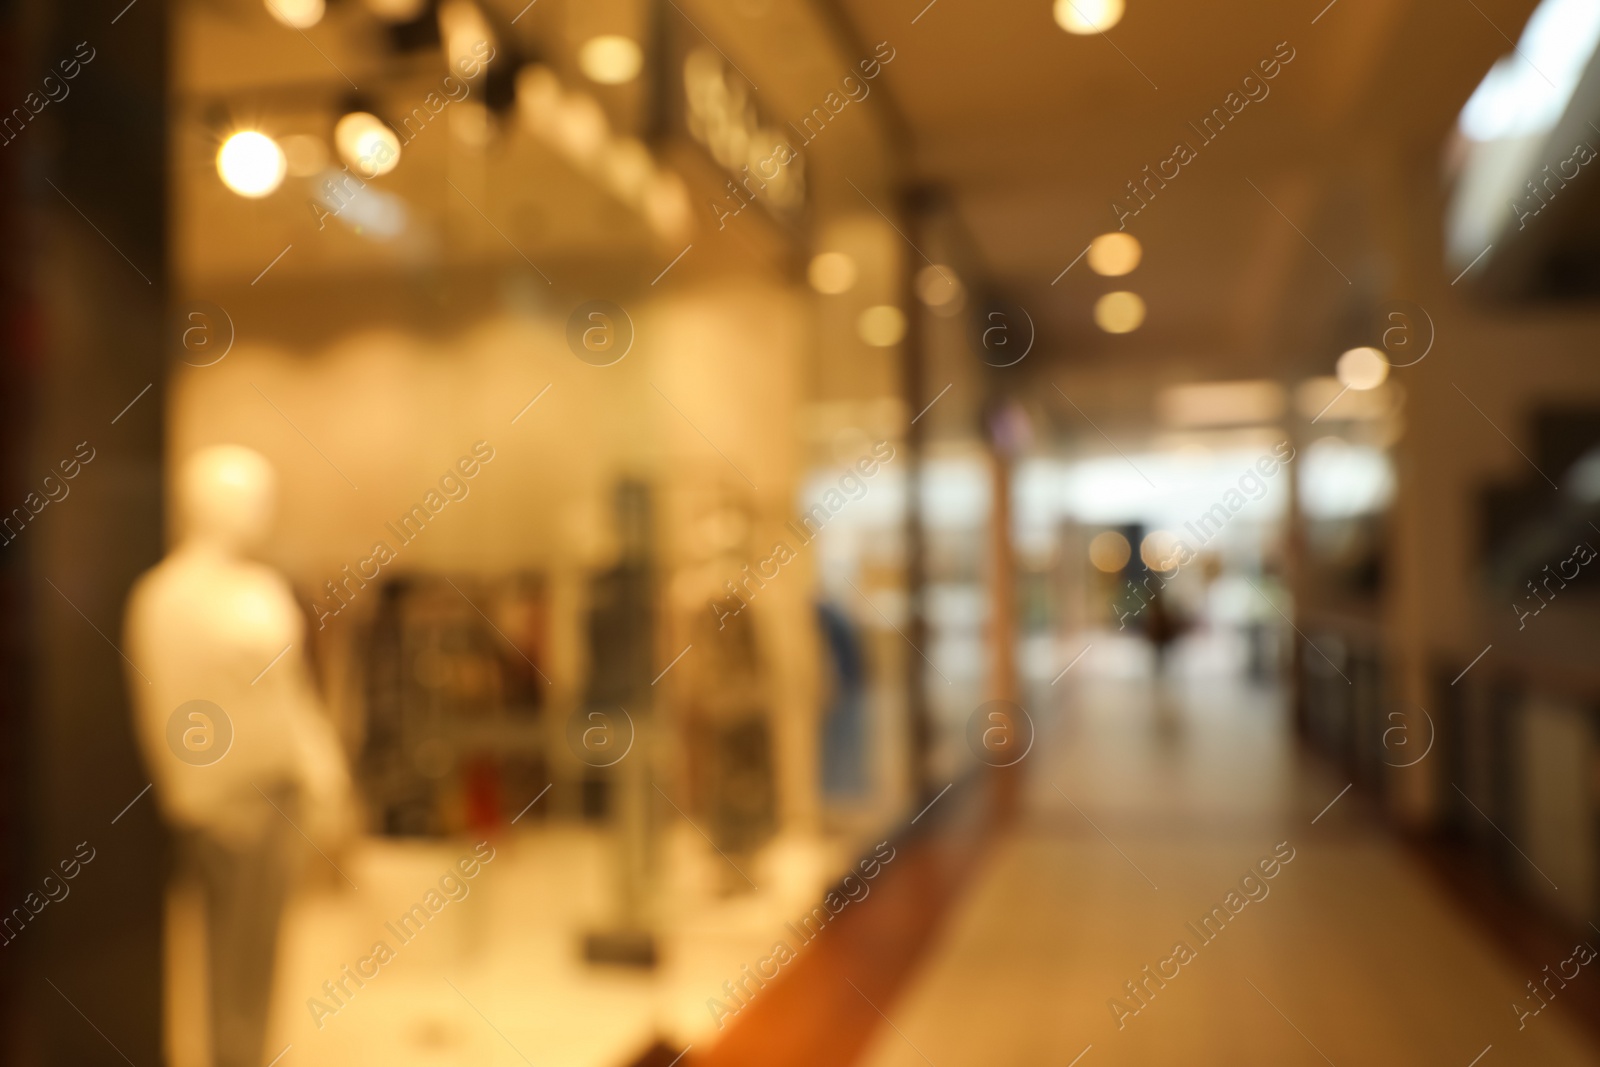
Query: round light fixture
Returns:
{"type": "Point", "coordinates": [1119, 312]}
{"type": "Point", "coordinates": [881, 325]}
{"type": "Point", "coordinates": [939, 288]}
{"type": "Point", "coordinates": [251, 164]}
{"type": "Point", "coordinates": [396, 10]}
{"type": "Point", "coordinates": [1088, 16]}
{"type": "Point", "coordinates": [610, 59]}
{"type": "Point", "coordinates": [367, 144]}
{"type": "Point", "coordinates": [832, 273]}
{"type": "Point", "coordinates": [297, 14]}
{"type": "Point", "coordinates": [1114, 254]}
{"type": "Point", "coordinates": [1157, 550]}
{"type": "Point", "coordinates": [1362, 369]}
{"type": "Point", "coordinates": [1109, 552]}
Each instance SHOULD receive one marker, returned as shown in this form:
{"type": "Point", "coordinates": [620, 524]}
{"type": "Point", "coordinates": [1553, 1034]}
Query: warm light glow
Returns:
{"type": "Point", "coordinates": [538, 98]}
{"type": "Point", "coordinates": [580, 130]}
{"type": "Point", "coordinates": [466, 34]}
{"type": "Point", "coordinates": [1157, 550]}
{"type": "Point", "coordinates": [1362, 368]}
{"type": "Point", "coordinates": [1087, 16]}
{"type": "Point", "coordinates": [1119, 312]}
{"type": "Point", "coordinates": [1114, 254]}
{"type": "Point", "coordinates": [626, 166]}
{"type": "Point", "coordinates": [298, 14]}
{"type": "Point", "coordinates": [610, 59]}
{"type": "Point", "coordinates": [367, 144]}
{"type": "Point", "coordinates": [832, 273]}
{"type": "Point", "coordinates": [939, 288]}
{"type": "Point", "coordinates": [881, 325]}
{"type": "Point", "coordinates": [396, 10]}
{"type": "Point", "coordinates": [251, 164]}
{"type": "Point", "coordinates": [1243, 403]}
{"type": "Point", "coordinates": [1110, 552]}
{"type": "Point", "coordinates": [666, 204]}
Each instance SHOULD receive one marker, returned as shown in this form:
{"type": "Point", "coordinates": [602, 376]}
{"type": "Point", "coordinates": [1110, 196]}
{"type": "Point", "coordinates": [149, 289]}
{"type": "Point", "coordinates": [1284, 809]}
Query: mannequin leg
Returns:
{"type": "Point", "coordinates": [246, 885]}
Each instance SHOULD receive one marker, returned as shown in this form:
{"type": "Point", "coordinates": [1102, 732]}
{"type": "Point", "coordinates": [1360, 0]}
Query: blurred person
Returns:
{"type": "Point", "coordinates": [844, 721]}
{"type": "Point", "coordinates": [1161, 628]}
{"type": "Point", "coordinates": [241, 755]}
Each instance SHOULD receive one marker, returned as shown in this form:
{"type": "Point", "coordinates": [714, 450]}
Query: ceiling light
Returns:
{"type": "Point", "coordinates": [626, 165]}
{"type": "Point", "coordinates": [580, 130]}
{"type": "Point", "coordinates": [1362, 369]}
{"type": "Point", "coordinates": [367, 144]}
{"type": "Point", "coordinates": [610, 59]}
{"type": "Point", "coordinates": [396, 10]}
{"type": "Point", "coordinates": [1119, 312]}
{"type": "Point", "coordinates": [467, 34]}
{"type": "Point", "coordinates": [1157, 549]}
{"type": "Point", "coordinates": [538, 97]}
{"type": "Point", "coordinates": [251, 164]}
{"type": "Point", "coordinates": [1087, 16]}
{"type": "Point", "coordinates": [1109, 552]}
{"type": "Point", "coordinates": [832, 273]}
{"type": "Point", "coordinates": [1114, 254]}
{"type": "Point", "coordinates": [882, 325]}
{"type": "Point", "coordinates": [297, 14]}
{"type": "Point", "coordinates": [939, 288]}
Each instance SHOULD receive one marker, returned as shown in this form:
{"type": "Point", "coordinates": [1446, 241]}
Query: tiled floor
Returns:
{"type": "Point", "coordinates": [1142, 813]}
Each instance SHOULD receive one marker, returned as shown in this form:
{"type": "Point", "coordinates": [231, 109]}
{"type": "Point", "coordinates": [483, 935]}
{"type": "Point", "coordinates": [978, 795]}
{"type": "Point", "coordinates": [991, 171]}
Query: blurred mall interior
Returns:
{"type": "Point", "coordinates": [633, 533]}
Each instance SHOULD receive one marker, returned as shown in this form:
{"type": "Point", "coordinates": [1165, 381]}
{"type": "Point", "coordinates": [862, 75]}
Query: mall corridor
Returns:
{"type": "Point", "coordinates": [1148, 803]}
{"type": "Point", "coordinates": [799, 533]}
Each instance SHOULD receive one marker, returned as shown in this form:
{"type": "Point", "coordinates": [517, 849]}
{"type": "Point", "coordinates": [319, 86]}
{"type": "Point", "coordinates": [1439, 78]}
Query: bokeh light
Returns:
{"type": "Point", "coordinates": [1088, 16]}
{"type": "Point", "coordinates": [297, 14]}
{"type": "Point", "coordinates": [1114, 254]}
{"type": "Point", "coordinates": [1362, 368]}
{"type": "Point", "coordinates": [1119, 312]}
{"type": "Point", "coordinates": [610, 59]}
{"type": "Point", "coordinates": [251, 164]}
{"type": "Point", "coordinates": [832, 273]}
{"type": "Point", "coordinates": [882, 325]}
{"type": "Point", "coordinates": [1110, 552]}
{"type": "Point", "coordinates": [367, 144]}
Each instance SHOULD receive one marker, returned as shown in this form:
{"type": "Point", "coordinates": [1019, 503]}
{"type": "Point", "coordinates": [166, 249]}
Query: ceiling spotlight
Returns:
{"type": "Point", "coordinates": [1109, 551]}
{"type": "Point", "coordinates": [396, 10]}
{"type": "Point", "coordinates": [468, 38]}
{"type": "Point", "coordinates": [297, 14]}
{"type": "Point", "coordinates": [881, 325]}
{"type": "Point", "coordinates": [832, 273]}
{"type": "Point", "coordinates": [367, 144]}
{"type": "Point", "coordinates": [610, 59]}
{"type": "Point", "coordinates": [251, 164]}
{"type": "Point", "coordinates": [1114, 254]}
{"type": "Point", "coordinates": [939, 288]}
{"type": "Point", "coordinates": [1157, 549]}
{"type": "Point", "coordinates": [1087, 16]}
{"type": "Point", "coordinates": [1362, 369]}
{"type": "Point", "coordinates": [1119, 312]}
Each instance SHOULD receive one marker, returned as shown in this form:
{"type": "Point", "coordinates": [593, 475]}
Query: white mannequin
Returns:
{"type": "Point", "coordinates": [203, 625]}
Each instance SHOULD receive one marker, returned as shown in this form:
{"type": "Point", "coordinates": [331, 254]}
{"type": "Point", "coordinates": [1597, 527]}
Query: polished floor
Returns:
{"type": "Point", "coordinates": [1007, 931]}
{"type": "Point", "coordinates": [1145, 805]}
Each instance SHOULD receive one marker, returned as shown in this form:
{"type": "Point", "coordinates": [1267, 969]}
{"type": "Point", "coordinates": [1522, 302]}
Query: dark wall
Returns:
{"type": "Point", "coordinates": [82, 294]}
